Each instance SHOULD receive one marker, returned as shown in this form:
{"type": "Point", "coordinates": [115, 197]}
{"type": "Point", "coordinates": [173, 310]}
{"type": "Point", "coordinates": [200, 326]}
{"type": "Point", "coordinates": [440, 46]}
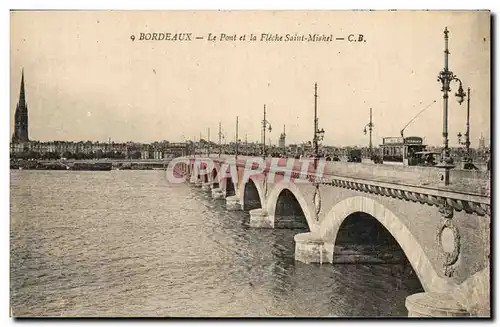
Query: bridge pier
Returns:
{"type": "Point", "coordinates": [217, 193]}
{"type": "Point", "coordinates": [434, 305]}
{"type": "Point", "coordinates": [260, 219]}
{"type": "Point", "coordinates": [360, 253]}
{"type": "Point", "coordinates": [233, 203]}
{"type": "Point", "coordinates": [310, 248]}
{"type": "Point", "coordinates": [205, 187]}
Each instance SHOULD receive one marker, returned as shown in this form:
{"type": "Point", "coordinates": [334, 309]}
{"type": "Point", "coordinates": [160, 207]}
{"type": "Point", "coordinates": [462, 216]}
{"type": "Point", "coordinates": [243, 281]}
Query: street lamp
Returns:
{"type": "Point", "coordinates": [265, 125]}
{"type": "Point", "coordinates": [370, 126]}
{"type": "Point", "coordinates": [246, 144]}
{"type": "Point", "coordinates": [467, 131]}
{"type": "Point", "coordinates": [187, 142]}
{"type": "Point", "coordinates": [236, 139]}
{"type": "Point", "coordinates": [318, 133]}
{"type": "Point", "coordinates": [208, 143]}
{"type": "Point", "coordinates": [446, 77]}
{"type": "Point", "coordinates": [194, 145]}
{"type": "Point", "coordinates": [221, 136]}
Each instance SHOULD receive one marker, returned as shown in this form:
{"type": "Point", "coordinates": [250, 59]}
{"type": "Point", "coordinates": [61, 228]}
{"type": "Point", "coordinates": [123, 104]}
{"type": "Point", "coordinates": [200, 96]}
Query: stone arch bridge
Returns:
{"type": "Point", "coordinates": [439, 219]}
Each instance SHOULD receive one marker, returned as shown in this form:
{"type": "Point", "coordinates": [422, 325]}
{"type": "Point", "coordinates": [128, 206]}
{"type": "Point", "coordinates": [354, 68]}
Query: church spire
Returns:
{"type": "Point", "coordinates": [22, 98]}
{"type": "Point", "coordinates": [21, 116]}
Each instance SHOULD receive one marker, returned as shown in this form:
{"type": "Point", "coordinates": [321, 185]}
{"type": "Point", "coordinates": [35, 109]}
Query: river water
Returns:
{"type": "Point", "coordinates": [127, 243]}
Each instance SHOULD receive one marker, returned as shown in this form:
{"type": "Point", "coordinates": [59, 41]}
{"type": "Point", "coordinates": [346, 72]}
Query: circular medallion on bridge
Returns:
{"type": "Point", "coordinates": [317, 200]}
{"type": "Point", "coordinates": [448, 239]}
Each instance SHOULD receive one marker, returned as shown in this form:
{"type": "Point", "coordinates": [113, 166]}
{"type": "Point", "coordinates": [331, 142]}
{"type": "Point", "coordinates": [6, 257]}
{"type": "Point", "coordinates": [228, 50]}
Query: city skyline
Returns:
{"type": "Point", "coordinates": [86, 80]}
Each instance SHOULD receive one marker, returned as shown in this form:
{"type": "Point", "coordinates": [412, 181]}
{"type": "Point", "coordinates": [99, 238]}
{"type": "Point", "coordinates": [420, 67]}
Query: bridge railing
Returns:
{"type": "Point", "coordinates": [466, 181]}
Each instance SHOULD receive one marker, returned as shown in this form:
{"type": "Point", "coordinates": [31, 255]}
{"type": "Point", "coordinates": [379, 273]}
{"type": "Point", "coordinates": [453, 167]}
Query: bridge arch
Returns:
{"type": "Point", "coordinates": [272, 201]}
{"type": "Point", "coordinates": [215, 177]}
{"type": "Point", "coordinates": [251, 194]}
{"type": "Point", "coordinates": [228, 185]}
{"type": "Point", "coordinates": [330, 226]}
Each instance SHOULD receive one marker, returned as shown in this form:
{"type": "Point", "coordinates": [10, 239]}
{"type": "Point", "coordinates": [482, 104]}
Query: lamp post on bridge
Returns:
{"type": "Point", "coordinates": [221, 136]}
{"type": "Point", "coordinates": [246, 144]}
{"type": "Point", "coordinates": [283, 141]}
{"type": "Point", "coordinates": [265, 125]}
{"type": "Point", "coordinates": [318, 133]}
{"type": "Point", "coordinates": [370, 126]}
{"type": "Point", "coordinates": [201, 146]}
{"type": "Point", "coordinates": [194, 145]}
{"type": "Point", "coordinates": [468, 158]}
{"type": "Point", "coordinates": [236, 151]}
{"type": "Point", "coordinates": [208, 143]}
{"type": "Point", "coordinates": [446, 77]}
{"type": "Point", "coordinates": [318, 136]}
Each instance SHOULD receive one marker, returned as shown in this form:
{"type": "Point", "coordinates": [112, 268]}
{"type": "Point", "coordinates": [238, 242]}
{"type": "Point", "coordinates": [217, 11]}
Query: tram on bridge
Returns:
{"type": "Point", "coordinates": [408, 151]}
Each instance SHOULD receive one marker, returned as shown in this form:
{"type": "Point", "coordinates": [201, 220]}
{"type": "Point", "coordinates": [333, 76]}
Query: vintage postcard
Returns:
{"type": "Point", "coordinates": [250, 163]}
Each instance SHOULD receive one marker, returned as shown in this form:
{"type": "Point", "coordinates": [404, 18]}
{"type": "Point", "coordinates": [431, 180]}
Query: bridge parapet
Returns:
{"type": "Point", "coordinates": [444, 199]}
{"type": "Point", "coordinates": [469, 181]}
{"type": "Point", "coordinates": [461, 181]}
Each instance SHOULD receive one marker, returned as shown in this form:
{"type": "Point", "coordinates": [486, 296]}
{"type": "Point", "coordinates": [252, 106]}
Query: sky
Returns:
{"type": "Point", "coordinates": [86, 79]}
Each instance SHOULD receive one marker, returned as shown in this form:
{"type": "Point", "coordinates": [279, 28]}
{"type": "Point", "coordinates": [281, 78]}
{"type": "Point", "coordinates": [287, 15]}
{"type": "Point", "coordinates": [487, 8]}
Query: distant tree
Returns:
{"type": "Point", "coordinates": [52, 156]}
{"type": "Point", "coordinates": [67, 155]}
{"type": "Point", "coordinates": [79, 156]}
{"type": "Point", "coordinates": [119, 155]}
{"type": "Point", "coordinates": [16, 155]}
{"type": "Point", "coordinates": [33, 155]}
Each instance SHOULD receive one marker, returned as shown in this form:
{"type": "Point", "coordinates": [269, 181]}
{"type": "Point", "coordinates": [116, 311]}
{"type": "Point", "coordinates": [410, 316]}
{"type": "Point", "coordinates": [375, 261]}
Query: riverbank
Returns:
{"type": "Point", "coordinates": [87, 164]}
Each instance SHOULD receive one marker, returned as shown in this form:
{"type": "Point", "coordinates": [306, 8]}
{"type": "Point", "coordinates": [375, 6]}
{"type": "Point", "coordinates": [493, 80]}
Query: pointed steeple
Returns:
{"type": "Point", "coordinates": [22, 98]}
{"type": "Point", "coordinates": [21, 116]}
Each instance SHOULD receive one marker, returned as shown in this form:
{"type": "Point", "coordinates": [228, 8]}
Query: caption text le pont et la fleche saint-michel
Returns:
{"type": "Point", "coordinates": [251, 37]}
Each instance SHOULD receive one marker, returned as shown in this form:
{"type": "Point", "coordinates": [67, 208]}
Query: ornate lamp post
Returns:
{"type": "Point", "coordinates": [283, 141]}
{"type": "Point", "coordinates": [246, 144]}
{"type": "Point", "coordinates": [201, 146]}
{"type": "Point", "coordinates": [221, 136]}
{"type": "Point", "coordinates": [194, 145]}
{"type": "Point", "coordinates": [236, 151]}
{"type": "Point", "coordinates": [467, 131]}
{"type": "Point", "coordinates": [318, 133]}
{"type": "Point", "coordinates": [208, 143]}
{"type": "Point", "coordinates": [370, 126]}
{"type": "Point", "coordinates": [446, 77]}
{"type": "Point", "coordinates": [318, 136]}
{"type": "Point", "coordinates": [265, 125]}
